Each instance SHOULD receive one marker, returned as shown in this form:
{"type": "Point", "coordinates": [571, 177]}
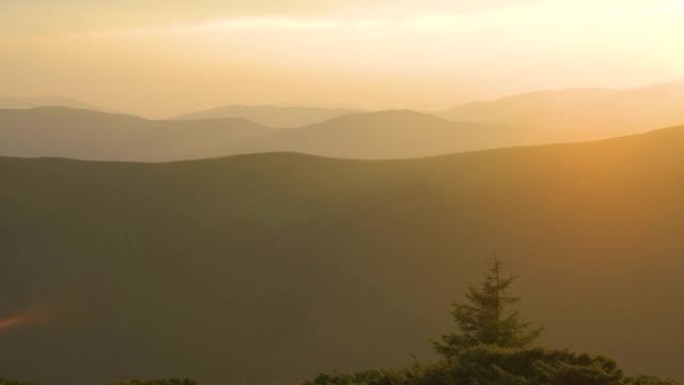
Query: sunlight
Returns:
{"type": "Point", "coordinates": [265, 24]}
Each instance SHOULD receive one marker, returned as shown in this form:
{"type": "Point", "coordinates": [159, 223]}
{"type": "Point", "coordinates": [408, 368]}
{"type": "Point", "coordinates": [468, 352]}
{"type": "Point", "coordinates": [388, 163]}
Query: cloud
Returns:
{"type": "Point", "coordinates": [50, 16]}
{"type": "Point", "coordinates": [263, 7]}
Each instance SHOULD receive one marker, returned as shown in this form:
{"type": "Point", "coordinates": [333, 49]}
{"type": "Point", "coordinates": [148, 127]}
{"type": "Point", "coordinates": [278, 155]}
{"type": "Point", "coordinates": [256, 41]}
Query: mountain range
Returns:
{"type": "Point", "coordinates": [270, 268]}
{"type": "Point", "coordinates": [582, 114]}
{"type": "Point", "coordinates": [10, 102]}
{"type": "Point", "coordinates": [272, 116]}
{"type": "Point", "coordinates": [543, 117]}
{"type": "Point", "coordinates": [84, 134]}
{"type": "Point", "coordinates": [388, 135]}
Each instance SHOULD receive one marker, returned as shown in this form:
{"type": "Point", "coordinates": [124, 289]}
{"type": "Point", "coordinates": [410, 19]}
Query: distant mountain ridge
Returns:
{"type": "Point", "coordinates": [389, 135]}
{"type": "Point", "coordinates": [9, 102]}
{"type": "Point", "coordinates": [272, 116]}
{"type": "Point", "coordinates": [582, 114]}
{"type": "Point", "coordinates": [513, 106]}
{"type": "Point", "coordinates": [84, 134]}
{"type": "Point", "coordinates": [536, 118]}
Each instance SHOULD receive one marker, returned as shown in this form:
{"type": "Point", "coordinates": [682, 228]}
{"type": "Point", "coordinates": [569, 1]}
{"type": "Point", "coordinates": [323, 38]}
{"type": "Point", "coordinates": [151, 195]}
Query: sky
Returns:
{"type": "Point", "coordinates": [161, 58]}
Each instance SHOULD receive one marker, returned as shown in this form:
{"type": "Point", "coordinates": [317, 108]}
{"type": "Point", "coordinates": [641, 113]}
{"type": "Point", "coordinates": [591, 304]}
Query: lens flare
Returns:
{"type": "Point", "coordinates": [33, 315]}
{"type": "Point", "coordinates": [12, 322]}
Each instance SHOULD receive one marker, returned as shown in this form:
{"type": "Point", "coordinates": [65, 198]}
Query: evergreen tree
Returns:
{"type": "Point", "coordinates": [492, 347]}
{"type": "Point", "coordinates": [487, 318]}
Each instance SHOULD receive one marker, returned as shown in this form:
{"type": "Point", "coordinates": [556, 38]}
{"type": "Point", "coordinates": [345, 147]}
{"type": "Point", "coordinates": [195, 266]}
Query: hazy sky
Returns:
{"type": "Point", "coordinates": [166, 57]}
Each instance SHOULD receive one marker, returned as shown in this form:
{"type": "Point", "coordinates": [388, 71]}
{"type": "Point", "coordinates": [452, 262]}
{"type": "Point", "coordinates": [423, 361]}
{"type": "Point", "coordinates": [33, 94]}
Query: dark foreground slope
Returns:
{"type": "Point", "coordinates": [267, 269]}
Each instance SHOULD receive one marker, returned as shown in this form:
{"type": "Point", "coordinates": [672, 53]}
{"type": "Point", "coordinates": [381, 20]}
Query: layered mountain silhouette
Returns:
{"type": "Point", "coordinates": [516, 107]}
{"type": "Point", "coordinates": [530, 119]}
{"type": "Point", "coordinates": [83, 134]}
{"type": "Point", "coordinates": [582, 114]}
{"type": "Point", "coordinates": [273, 116]}
{"type": "Point", "coordinates": [9, 102]}
{"type": "Point", "coordinates": [269, 268]}
{"type": "Point", "coordinates": [387, 135]}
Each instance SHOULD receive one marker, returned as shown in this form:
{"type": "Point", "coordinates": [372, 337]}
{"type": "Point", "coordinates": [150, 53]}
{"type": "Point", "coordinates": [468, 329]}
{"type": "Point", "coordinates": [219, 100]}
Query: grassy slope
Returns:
{"type": "Point", "coordinates": [267, 269]}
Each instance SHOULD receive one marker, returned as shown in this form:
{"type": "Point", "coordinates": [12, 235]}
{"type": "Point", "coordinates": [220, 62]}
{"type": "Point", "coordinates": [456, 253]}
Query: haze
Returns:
{"type": "Point", "coordinates": [163, 58]}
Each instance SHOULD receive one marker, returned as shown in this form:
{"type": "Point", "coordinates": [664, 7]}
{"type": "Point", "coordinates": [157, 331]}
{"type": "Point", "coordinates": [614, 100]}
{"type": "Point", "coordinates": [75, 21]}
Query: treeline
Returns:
{"type": "Point", "coordinates": [492, 346]}
{"type": "Point", "coordinates": [168, 381]}
{"type": "Point", "coordinates": [171, 381]}
{"type": "Point", "coordinates": [4, 381]}
{"type": "Point", "coordinates": [491, 365]}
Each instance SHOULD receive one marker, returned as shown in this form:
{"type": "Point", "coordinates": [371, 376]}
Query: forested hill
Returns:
{"type": "Point", "coordinates": [268, 269]}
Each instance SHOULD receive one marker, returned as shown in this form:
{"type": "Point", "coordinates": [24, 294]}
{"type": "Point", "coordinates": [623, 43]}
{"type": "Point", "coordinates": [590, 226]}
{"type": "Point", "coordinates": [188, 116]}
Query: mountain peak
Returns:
{"type": "Point", "coordinates": [280, 116]}
{"type": "Point", "coordinates": [403, 116]}
{"type": "Point", "coordinates": [58, 111]}
{"type": "Point", "coordinates": [11, 102]}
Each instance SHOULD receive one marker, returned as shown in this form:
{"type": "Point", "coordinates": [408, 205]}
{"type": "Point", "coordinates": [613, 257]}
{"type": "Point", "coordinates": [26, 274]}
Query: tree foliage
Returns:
{"type": "Point", "coordinates": [489, 364]}
{"type": "Point", "coordinates": [156, 381]}
{"type": "Point", "coordinates": [487, 317]}
{"type": "Point", "coordinates": [493, 365]}
{"type": "Point", "coordinates": [493, 347]}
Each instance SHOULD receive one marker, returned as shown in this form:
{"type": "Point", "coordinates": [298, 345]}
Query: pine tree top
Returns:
{"type": "Point", "coordinates": [487, 317]}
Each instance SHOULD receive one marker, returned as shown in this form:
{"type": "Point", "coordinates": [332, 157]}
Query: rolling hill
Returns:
{"type": "Point", "coordinates": [516, 107]}
{"type": "Point", "coordinates": [389, 135]}
{"type": "Point", "coordinates": [582, 114]}
{"type": "Point", "coordinates": [89, 135]}
{"type": "Point", "coordinates": [272, 116]}
{"type": "Point", "coordinates": [269, 268]}
{"type": "Point", "coordinates": [9, 103]}
{"type": "Point", "coordinates": [86, 134]}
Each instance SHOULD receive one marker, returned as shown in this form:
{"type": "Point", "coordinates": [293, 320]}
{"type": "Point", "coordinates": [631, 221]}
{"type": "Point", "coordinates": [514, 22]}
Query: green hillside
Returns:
{"type": "Point", "coordinates": [268, 269]}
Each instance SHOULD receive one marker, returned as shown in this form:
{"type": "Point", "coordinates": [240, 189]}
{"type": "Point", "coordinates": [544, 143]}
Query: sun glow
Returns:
{"type": "Point", "coordinates": [370, 55]}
